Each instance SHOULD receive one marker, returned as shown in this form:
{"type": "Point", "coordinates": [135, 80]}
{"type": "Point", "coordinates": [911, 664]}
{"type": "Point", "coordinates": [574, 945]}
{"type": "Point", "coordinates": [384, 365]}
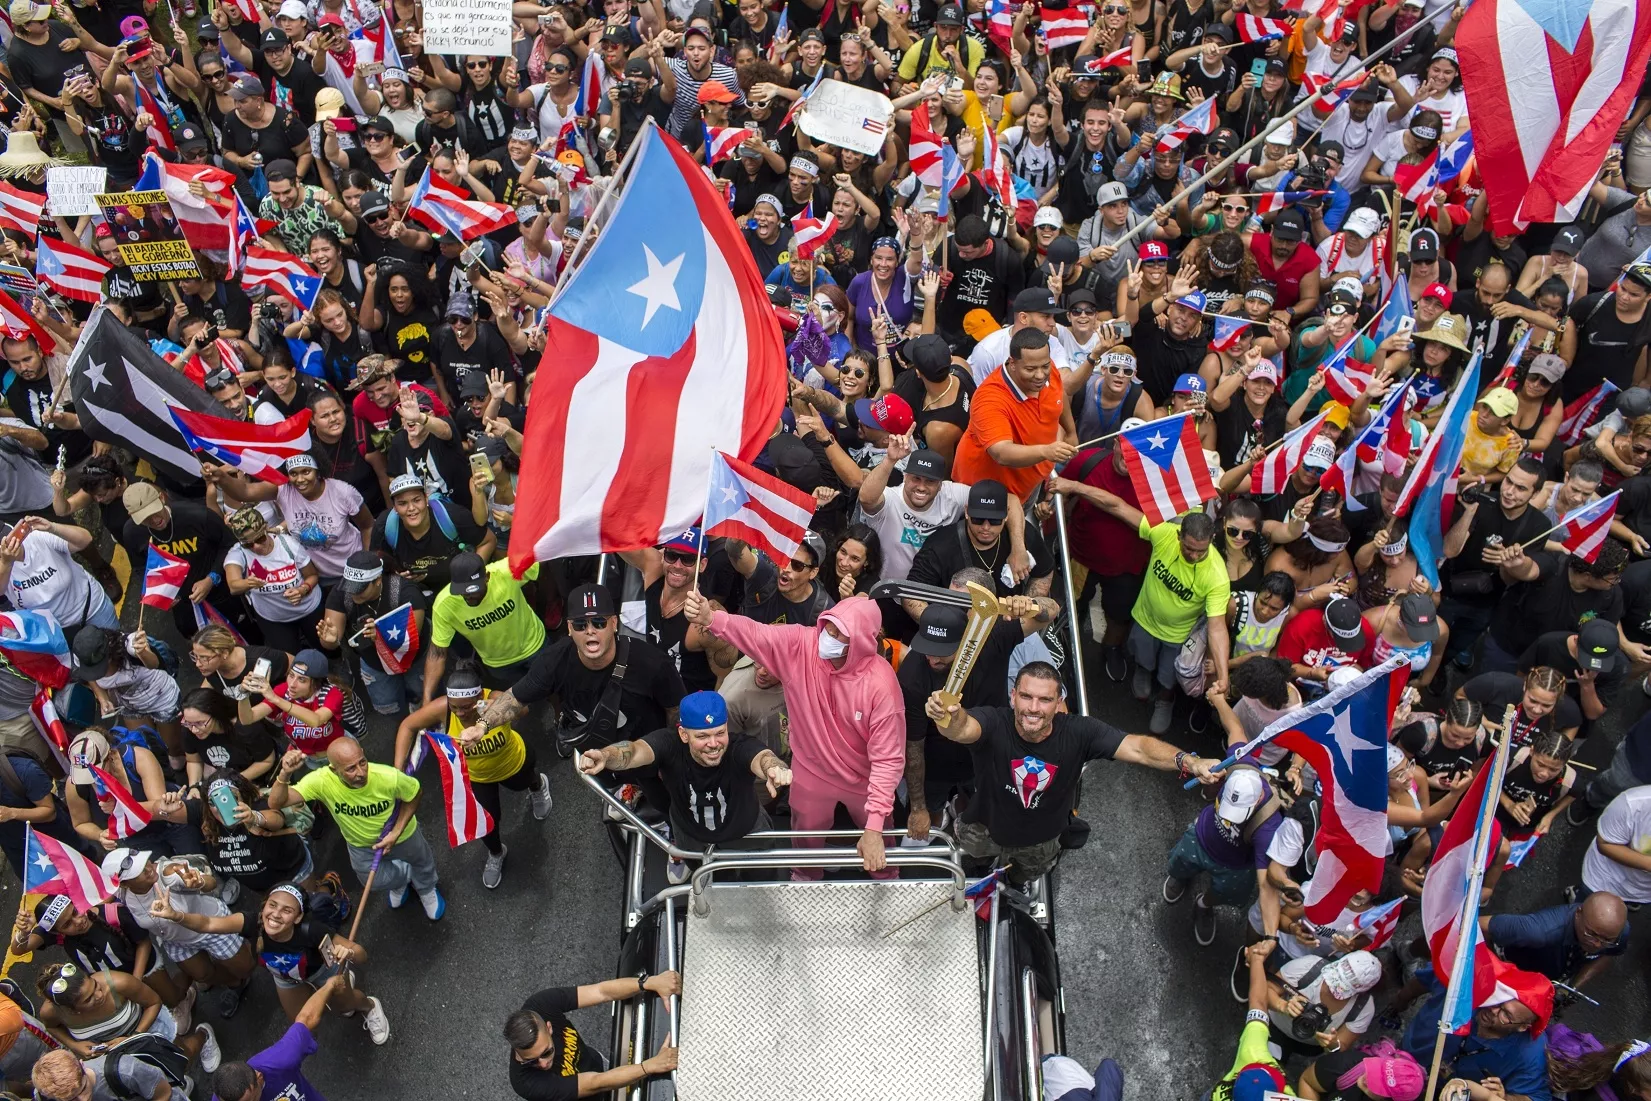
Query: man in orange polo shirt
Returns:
{"type": "Point", "coordinates": [1015, 420]}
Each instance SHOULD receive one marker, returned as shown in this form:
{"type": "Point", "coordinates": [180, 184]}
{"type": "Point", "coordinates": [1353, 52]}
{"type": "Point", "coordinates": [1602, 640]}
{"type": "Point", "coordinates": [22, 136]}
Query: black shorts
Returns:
{"type": "Point", "coordinates": [1118, 595]}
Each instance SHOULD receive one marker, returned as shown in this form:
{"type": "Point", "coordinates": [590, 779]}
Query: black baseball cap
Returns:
{"type": "Point", "coordinates": [1424, 245]}
{"type": "Point", "coordinates": [589, 600]}
{"type": "Point", "coordinates": [1368, 92]}
{"type": "Point", "coordinates": [931, 355]}
{"type": "Point", "coordinates": [950, 15]}
{"type": "Point", "coordinates": [468, 574]}
{"type": "Point", "coordinates": [1038, 300]}
{"type": "Point", "coordinates": [1346, 622]}
{"type": "Point", "coordinates": [1596, 646]}
{"type": "Point", "coordinates": [189, 137]}
{"type": "Point", "coordinates": [1289, 225]}
{"type": "Point", "coordinates": [988, 500]}
{"type": "Point", "coordinates": [928, 464]}
{"type": "Point", "coordinates": [1419, 617]}
{"type": "Point", "coordinates": [939, 630]}
{"type": "Point", "coordinates": [274, 39]}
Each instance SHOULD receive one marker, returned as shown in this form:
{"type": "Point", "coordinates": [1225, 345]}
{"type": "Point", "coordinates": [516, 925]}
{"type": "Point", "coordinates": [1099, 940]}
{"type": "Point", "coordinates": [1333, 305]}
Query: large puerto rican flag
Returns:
{"type": "Point", "coordinates": [666, 350]}
{"type": "Point", "coordinates": [1583, 530]}
{"type": "Point", "coordinates": [206, 222]}
{"type": "Point", "coordinates": [1167, 467]}
{"type": "Point", "coordinates": [1548, 83]}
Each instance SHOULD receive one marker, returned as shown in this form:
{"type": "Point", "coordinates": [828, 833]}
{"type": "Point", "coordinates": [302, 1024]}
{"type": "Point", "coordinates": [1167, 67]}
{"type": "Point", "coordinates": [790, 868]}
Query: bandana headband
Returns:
{"type": "Point", "coordinates": [360, 576]}
{"type": "Point", "coordinates": [1256, 292]}
{"type": "Point", "coordinates": [55, 909]}
{"type": "Point", "coordinates": [1634, 1051]}
{"type": "Point", "coordinates": [1427, 133]}
{"type": "Point", "coordinates": [471, 693]}
{"type": "Point", "coordinates": [524, 133]}
{"type": "Point", "coordinates": [807, 168]}
{"type": "Point", "coordinates": [1217, 265]}
{"type": "Point", "coordinates": [392, 73]}
{"type": "Point", "coordinates": [1325, 545]}
{"type": "Point", "coordinates": [294, 891]}
{"type": "Point", "coordinates": [886, 242]}
{"type": "Point", "coordinates": [1397, 547]}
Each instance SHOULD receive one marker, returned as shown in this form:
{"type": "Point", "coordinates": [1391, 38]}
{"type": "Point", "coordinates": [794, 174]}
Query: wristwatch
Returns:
{"type": "Point", "coordinates": [642, 982]}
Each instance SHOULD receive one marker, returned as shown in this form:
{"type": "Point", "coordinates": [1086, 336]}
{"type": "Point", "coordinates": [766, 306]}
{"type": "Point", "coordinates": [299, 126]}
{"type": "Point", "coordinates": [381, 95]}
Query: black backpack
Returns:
{"type": "Point", "coordinates": [162, 1054]}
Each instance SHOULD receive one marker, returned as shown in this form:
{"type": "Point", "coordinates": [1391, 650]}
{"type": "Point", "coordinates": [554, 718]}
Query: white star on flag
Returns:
{"type": "Point", "coordinates": [1157, 440]}
{"type": "Point", "coordinates": [94, 372]}
{"type": "Point", "coordinates": [659, 287]}
{"type": "Point", "coordinates": [729, 493]}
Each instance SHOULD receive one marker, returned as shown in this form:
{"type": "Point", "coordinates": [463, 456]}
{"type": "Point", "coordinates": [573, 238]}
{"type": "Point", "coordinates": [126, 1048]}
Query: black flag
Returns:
{"type": "Point", "coordinates": [122, 389]}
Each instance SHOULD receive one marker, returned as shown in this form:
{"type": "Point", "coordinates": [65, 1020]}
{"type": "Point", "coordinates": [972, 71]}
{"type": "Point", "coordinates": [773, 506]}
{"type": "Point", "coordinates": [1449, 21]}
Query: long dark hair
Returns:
{"type": "Point", "coordinates": [867, 538]}
{"type": "Point", "coordinates": [211, 703]}
{"type": "Point", "coordinates": [245, 790]}
{"type": "Point", "coordinates": [1241, 508]}
{"type": "Point", "coordinates": [1632, 1079]}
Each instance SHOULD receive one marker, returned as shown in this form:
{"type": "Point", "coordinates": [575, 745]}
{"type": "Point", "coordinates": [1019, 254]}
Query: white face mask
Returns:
{"type": "Point", "coordinates": [830, 648]}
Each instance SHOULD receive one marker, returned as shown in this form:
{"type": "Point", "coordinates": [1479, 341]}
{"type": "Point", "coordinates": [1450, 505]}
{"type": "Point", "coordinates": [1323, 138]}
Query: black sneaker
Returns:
{"type": "Point", "coordinates": [1117, 665]}
{"type": "Point", "coordinates": [230, 999]}
{"type": "Point", "coordinates": [1239, 983]}
{"type": "Point", "coordinates": [1174, 890]}
{"type": "Point", "coordinates": [1580, 810]}
{"type": "Point", "coordinates": [1203, 922]}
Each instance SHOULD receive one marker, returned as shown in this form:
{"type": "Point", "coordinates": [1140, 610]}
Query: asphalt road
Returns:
{"type": "Point", "coordinates": [1138, 988]}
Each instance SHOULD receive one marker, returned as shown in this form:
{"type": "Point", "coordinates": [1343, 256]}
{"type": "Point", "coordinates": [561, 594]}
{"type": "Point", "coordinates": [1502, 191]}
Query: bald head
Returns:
{"type": "Point", "coordinates": [345, 758]}
{"type": "Point", "coordinates": [1603, 914]}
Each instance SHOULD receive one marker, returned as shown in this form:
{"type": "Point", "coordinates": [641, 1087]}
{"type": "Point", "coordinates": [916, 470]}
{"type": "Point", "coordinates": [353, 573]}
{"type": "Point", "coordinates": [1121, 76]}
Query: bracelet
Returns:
{"type": "Point", "coordinates": [1181, 763]}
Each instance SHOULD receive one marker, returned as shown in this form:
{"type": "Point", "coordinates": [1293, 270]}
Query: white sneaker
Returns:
{"type": "Point", "coordinates": [376, 1023]}
{"type": "Point", "coordinates": [434, 904]}
{"type": "Point", "coordinates": [398, 897]}
{"type": "Point", "coordinates": [211, 1054]}
{"type": "Point", "coordinates": [184, 1014]}
{"type": "Point", "coordinates": [539, 802]}
{"type": "Point", "coordinates": [493, 871]}
{"type": "Point", "coordinates": [676, 871]}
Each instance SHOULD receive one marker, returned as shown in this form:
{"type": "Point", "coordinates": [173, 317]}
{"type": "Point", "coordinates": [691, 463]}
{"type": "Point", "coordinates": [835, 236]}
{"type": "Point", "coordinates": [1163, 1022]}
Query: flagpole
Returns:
{"type": "Point", "coordinates": [1556, 527]}
{"type": "Point", "coordinates": [14, 958]}
{"type": "Point", "coordinates": [699, 548]}
{"type": "Point", "coordinates": [593, 223]}
{"type": "Point", "coordinates": [1109, 435]}
{"type": "Point", "coordinates": [1465, 936]}
{"type": "Point", "coordinates": [1233, 157]}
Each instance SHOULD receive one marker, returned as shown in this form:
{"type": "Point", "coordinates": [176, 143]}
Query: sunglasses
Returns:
{"type": "Point", "coordinates": [857, 372]}
{"type": "Point", "coordinates": [677, 558]}
{"type": "Point", "coordinates": [478, 65]}
{"type": "Point", "coordinates": [374, 135]}
{"type": "Point", "coordinates": [374, 219]}
{"type": "Point", "coordinates": [589, 623]}
{"type": "Point", "coordinates": [1083, 311]}
{"type": "Point", "coordinates": [432, 115]}
{"type": "Point", "coordinates": [1115, 9]}
{"type": "Point", "coordinates": [1235, 208]}
{"type": "Point", "coordinates": [797, 565]}
{"type": "Point", "coordinates": [459, 320]}
{"type": "Point", "coordinates": [558, 68]}
{"type": "Point", "coordinates": [1120, 369]}
{"type": "Point", "coordinates": [986, 523]}
{"type": "Point", "coordinates": [1239, 533]}
{"type": "Point", "coordinates": [215, 76]}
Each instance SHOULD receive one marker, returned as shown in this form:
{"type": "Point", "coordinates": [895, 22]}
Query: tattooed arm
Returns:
{"type": "Point", "coordinates": [618, 756]}
{"type": "Point", "coordinates": [501, 708]}
{"type": "Point", "coordinates": [766, 766]}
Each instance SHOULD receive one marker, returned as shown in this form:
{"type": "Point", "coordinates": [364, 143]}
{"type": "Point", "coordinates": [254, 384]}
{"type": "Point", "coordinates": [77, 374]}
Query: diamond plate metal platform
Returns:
{"type": "Point", "coordinates": [792, 990]}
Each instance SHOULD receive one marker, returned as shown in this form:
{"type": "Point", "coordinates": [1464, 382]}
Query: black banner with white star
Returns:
{"type": "Point", "coordinates": [122, 390]}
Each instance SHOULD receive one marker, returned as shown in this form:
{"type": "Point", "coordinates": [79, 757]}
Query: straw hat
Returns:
{"type": "Point", "coordinates": [1448, 330]}
{"type": "Point", "coordinates": [23, 156]}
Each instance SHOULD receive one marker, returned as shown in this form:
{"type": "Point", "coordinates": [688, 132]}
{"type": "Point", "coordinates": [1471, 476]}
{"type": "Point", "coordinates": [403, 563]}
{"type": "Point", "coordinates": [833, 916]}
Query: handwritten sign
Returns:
{"type": "Point", "coordinates": [72, 190]}
{"type": "Point", "coordinates": [468, 27]}
{"type": "Point", "coordinates": [845, 115]}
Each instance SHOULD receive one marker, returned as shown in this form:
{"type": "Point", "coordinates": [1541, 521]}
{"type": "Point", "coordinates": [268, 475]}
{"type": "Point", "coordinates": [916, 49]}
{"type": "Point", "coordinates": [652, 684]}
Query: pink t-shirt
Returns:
{"type": "Point", "coordinates": [325, 526]}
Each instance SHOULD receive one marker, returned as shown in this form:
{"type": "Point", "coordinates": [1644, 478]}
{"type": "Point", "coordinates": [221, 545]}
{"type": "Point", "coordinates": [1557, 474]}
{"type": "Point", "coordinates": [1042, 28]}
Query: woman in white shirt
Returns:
{"type": "Point", "coordinates": [1440, 89]}
{"type": "Point", "coordinates": [278, 579]}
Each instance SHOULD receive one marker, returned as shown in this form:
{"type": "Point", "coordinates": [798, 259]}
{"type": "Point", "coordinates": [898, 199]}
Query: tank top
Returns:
{"type": "Point", "coordinates": [1519, 786]}
{"type": "Point", "coordinates": [1399, 833]}
{"type": "Point", "coordinates": [1383, 649]}
{"type": "Point", "coordinates": [1251, 635]}
{"type": "Point", "coordinates": [671, 635]}
{"type": "Point", "coordinates": [121, 1022]}
{"type": "Point", "coordinates": [497, 755]}
{"type": "Point", "coordinates": [1096, 421]}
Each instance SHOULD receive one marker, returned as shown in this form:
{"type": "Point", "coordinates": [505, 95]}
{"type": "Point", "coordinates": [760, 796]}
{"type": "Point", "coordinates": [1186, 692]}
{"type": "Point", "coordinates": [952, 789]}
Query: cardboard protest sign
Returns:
{"type": "Point", "coordinates": [847, 115]}
{"type": "Point", "coordinates": [72, 189]}
{"type": "Point", "coordinates": [468, 27]}
{"type": "Point", "coordinates": [151, 243]}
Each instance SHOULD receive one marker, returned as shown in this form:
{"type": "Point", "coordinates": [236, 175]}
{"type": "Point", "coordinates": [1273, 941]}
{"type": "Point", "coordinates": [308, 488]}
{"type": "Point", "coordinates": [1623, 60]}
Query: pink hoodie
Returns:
{"type": "Point", "coordinates": [848, 725]}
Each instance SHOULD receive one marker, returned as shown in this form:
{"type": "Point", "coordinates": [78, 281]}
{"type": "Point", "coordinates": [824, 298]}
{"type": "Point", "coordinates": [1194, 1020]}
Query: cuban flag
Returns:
{"type": "Point", "coordinates": [1274, 201]}
{"type": "Point", "coordinates": [951, 174]}
{"type": "Point", "coordinates": [53, 868]}
{"type": "Point", "coordinates": [283, 273]}
{"type": "Point", "coordinates": [395, 638]}
{"type": "Point", "coordinates": [1583, 412]}
{"type": "Point", "coordinates": [666, 349]}
{"type": "Point", "coordinates": [1063, 26]}
{"type": "Point", "coordinates": [72, 272]}
{"type": "Point", "coordinates": [1272, 472]}
{"type": "Point", "coordinates": [207, 223]}
{"type": "Point", "coordinates": [1450, 895]}
{"type": "Point", "coordinates": [21, 210]}
{"type": "Point", "coordinates": [924, 150]}
{"type": "Point", "coordinates": [1117, 59]}
{"type": "Point", "coordinates": [756, 508]}
{"type": "Point", "coordinates": [442, 208]}
{"type": "Point", "coordinates": [721, 142]}
{"type": "Point", "coordinates": [254, 449]}
{"type": "Point", "coordinates": [1379, 923]}
{"type": "Point", "coordinates": [1430, 493]}
{"type": "Point", "coordinates": [208, 616]}
{"type": "Point", "coordinates": [163, 578]}
{"type": "Point", "coordinates": [1167, 467]}
{"type": "Point", "coordinates": [36, 647]}
{"type": "Point", "coordinates": [467, 819]}
{"type": "Point", "coordinates": [1550, 82]}
{"type": "Point", "coordinates": [127, 816]}
{"type": "Point", "coordinates": [308, 357]}
{"type": "Point", "coordinates": [1255, 28]}
{"type": "Point", "coordinates": [1343, 736]}
{"type": "Point", "coordinates": [812, 233]}
{"type": "Point", "coordinates": [1583, 530]}
{"type": "Point", "coordinates": [1198, 119]}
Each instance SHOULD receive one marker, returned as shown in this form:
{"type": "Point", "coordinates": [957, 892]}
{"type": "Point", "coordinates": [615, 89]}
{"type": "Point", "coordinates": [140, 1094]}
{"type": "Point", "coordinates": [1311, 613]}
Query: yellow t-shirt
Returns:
{"type": "Point", "coordinates": [1482, 454]}
{"type": "Point", "coordinates": [1176, 592]}
{"type": "Point", "coordinates": [496, 755]}
{"type": "Point", "coordinates": [362, 812]}
{"type": "Point", "coordinates": [970, 49]}
{"type": "Point", "coordinates": [502, 628]}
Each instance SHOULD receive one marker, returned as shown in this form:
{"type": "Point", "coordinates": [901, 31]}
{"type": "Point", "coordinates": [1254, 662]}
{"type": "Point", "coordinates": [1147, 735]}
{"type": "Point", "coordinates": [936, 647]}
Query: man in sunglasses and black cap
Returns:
{"type": "Point", "coordinates": [976, 539]}
{"type": "Point", "coordinates": [789, 594]}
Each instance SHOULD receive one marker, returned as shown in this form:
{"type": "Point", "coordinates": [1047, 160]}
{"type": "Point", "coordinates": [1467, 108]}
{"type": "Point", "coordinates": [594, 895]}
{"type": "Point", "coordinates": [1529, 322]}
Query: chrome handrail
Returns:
{"type": "Point", "coordinates": [818, 858]}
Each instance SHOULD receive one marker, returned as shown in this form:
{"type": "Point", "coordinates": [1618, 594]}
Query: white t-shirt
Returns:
{"type": "Point", "coordinates": [48, 578]}
{"type": "Point", "coordinates": [1358, 139]}
{"type": "Point", "coordinates": [1069, 343]}
{"type": "Point", "coordinates": [1032, 162]}
{"type": "Point", "coordinates": [1452, 106]}
{"type": "Point", "coordinates": [1297, 969]}
{"type": "Point", "coordinates": [1363, 264]}
{"type": "Point", "coordinates": [281, 569]}
{"type": "Point", "coordinates": [1320, 63]}
{"type": "Point", "coordinates": [993, 352]}
{"type": "Point", "coordinates": [1627, 821]}
{"type": "Point", "coordinates": [903, 529]}
{"type": "Point", "coordinates": [325, 526]}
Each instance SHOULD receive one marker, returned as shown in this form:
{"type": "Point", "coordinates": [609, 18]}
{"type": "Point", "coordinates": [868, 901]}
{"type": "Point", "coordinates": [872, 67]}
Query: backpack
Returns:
{"type": "Point", "coordinates": [125, 738]}
{"type": "Point", "coordinates": [438, 513]}
{"type": "Point", "coordinates": [163, 1055]}
{"type": "Point", "coordinates": [168, 657]}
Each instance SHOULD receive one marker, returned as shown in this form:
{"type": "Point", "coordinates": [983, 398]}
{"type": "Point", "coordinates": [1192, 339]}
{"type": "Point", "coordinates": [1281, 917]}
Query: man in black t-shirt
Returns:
{"type": "Point", "coordinates": [418, 537]}
{"type": "Point", "coordinates": [290, 76]}
{"type": "Point", "coordinates": [982, 273]}
{"type": "Point", "coordinates": [1590, 661]}
{"type": "Point", "coordinates": [1607, 334]}
{"type": "Point", "coordinates": [486, 350]}
{"type": "Point", "coordinates": [977, 540]}
{"type": "Point", "coordinates": [707, 775]}
{"type": "Point", "coordinates": [29, 397]}
{"type": "Point", "coordinates": [364, 594]}
{"type": "Point", "coordinates": [37, 60]}
{"type": "Point", "coordinates": [550, 1061]}
{"type": "Point", "coordinates": [935, 766]}
{"type": "Point", "coordinates": [188, 530]}
{"type": "Point", "coordinates": [1538, 694]}
{"type": "Point", "coordinates": [787, 594]}
{"type": "Point", "coordinates": [1028, 758]}
{"type": "Point", "coordinates": [1552, 592]}
{"type": "Point", "coordinates": [1488, 522]}
{"type": "Point", "coordinates": [428, 447]}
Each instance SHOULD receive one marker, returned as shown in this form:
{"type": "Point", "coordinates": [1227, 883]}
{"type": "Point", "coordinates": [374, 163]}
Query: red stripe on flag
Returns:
{"type": "Point", "coordinates": [546, 432]}
{"type": "Point", "coordinates": [634, 509]}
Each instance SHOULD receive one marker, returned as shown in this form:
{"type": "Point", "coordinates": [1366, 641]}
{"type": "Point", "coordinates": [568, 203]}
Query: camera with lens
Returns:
{"type": "Point", "coordinates": [1314, 175]}
{"type": "Point", "coordinates": [270, 309]}
{"type": "Point", "coordinates": [1479, 495]}
{"type": "Point", "coordinates": [1309, 1023]}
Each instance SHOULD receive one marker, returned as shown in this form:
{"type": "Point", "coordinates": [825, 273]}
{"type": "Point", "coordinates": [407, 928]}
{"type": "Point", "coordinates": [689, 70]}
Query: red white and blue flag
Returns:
{"type": "Point", "coordinates": [1274, 201]}
{"type": "Point", "coordinates": [924, 150]}
{"type": "Point", "coordinates": [159, 133]}
{"type": "Point", "coordinates": [36, 647]}
{"type": "Point", "coordinates": [21, 210]}
{"type": "Point", "coordinates": [395, 637]}
{"type": "Point", "coordinates": [666, 348]}
{"type": "Point", "coordinates": [1395, 307]}
{"type": "Point", "coordinates": [257, 450]}
{"type": "Point", "coordinates": [1550, 82]}
{"type": "Point", "coordinates": [1166, 464]}
{"type": "Point", "coordinates": [1342, 477]}
{"type": "Point", "coordinates": [1063, 27]}
{"type": "Point", "coordinates": [1379, 922]}
{"type": "Point", "coordinates": [994, 174]}
{"type": "Point", "coordinates": [372, 45]}
{"type": "Point", "coordinates": [952, 172]}
{"type": "Point", "coordinates": [803, 97]}
{"type": "Point", "coordinates": [722, 142]}
{"type": "Point", "coordinates": [981, 892]}
{"type": "Point", "coordinates": [1429, 496]}
{"type": "Point", "coordinates": [1228, 329]}
{"type": "Point", "coordinates": [164, 574]}
{"type": "Point", "coordinates": [756, 508]}
{"type": "Point", "coordinates": [1417, 182]}
{"type": "Point", "coordinates": [283, 273]}
{"type": "Point", "coordinates": [813, 233]}
{"type": "Point", "coordinates": [1331, 95]}
{"type": "Point", "coordinates": [1519, 850]}
{"type": "Point", "coordinates": [1343, 736]}
{"type": "Point", "coordinates": [72, 272]}
{"type": "Point", "coordinates": [1453, 162]}
{"type": "Point", "coordinates": [1273, 471]}
{"type": "Point", "coordinates": [1117, 59]}
{"type": "Point", "coordinates": [1197, 119]}
{"type": "Point", "coordinates": [442, 208]}
{"type": "Point", "coordinates": [1450, 896]}
{"type": "Point", "coordinates": [1000, 25]}
{"type": "Point", "coordinates": [54, 868]}
{"type": "Point", "coordinates": [467, 819]}
{"type": "Point", "coordinates": [206, 615]}
{"type": "Point", "coordinates": [1583, 412]}
{"type": "Point", "coordinates": [17, 322]}
{"type": "Point", "coordinates": [127, 816]}
{"type": "Point", "coordinates": [1256, 28]}
{"type": "Point", "coordinates": [207, 223]}
{"type": "Point", "coordinates": [589, 100]}
{"type": "Point", "coordinates": [1346, 380]}
{"type": "Point", "coordinates": [43, 709]}
{"type": "Point", "coordinates": [1583, 530]}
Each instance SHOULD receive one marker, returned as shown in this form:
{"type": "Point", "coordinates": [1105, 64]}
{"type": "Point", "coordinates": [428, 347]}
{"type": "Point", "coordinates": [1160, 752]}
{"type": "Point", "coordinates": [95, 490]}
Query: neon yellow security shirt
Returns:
{"type": "Point", "coordinates": [1252, 1048]}
{"type": "Point", "coordinates": [502, 628]}
{"type": "Point", "coordinates": [1176, 592]}
{"type": "Point", "coordinates": [362, 812]}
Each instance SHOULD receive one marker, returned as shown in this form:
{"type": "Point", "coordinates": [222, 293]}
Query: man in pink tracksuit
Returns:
{"type": "Point", "coordinates": [848, 722]}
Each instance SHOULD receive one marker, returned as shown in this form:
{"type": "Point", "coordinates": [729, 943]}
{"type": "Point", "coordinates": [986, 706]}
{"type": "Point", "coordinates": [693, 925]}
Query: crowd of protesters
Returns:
{"type": "Point", "coordinates": [956, 378]}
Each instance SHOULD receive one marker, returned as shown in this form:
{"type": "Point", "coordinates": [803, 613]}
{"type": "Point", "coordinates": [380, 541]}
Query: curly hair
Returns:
{"type": "Point", "coordinates": [1236, 262]}
{"type": "Point", "coordinates": [1574, 1075]}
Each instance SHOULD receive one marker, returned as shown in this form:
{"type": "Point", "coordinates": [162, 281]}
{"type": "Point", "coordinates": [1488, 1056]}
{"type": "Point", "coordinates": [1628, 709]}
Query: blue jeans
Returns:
{"type": "Point", "coordinates": [391, 694]}
{"type": "Point", "coordinates": [407, 861]}
{"type": "Point", "coordinates": [1065, 1075]}
{"type": "Point", "coordinates": [1154, 653]}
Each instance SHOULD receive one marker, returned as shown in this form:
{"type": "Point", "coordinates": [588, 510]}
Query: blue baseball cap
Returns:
{"type": "Point", "coordinates": [1189, 384]}
{"type": "Point", "coordinates": [1193, 300]}
{"type": "Point", "coordinates": [690, 541]}
{"type": "Point", "coordinates": [703, 710]}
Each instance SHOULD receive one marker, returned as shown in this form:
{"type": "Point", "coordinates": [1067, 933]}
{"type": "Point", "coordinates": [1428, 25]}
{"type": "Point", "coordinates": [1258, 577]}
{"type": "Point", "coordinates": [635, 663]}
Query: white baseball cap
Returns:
{"type": "Point", "coordinates": [1353, 974]}
{"type": "Point", "coordinates": [1239, 795]}
{"type": "Point", "coordinates": [1047, 216]}
{"type": "Point", "coordinates": [1363, 221]}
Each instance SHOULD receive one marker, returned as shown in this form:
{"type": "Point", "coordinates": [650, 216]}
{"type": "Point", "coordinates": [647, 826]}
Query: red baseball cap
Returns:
{"type": "Point", "coordinates": [1153, 250]}
{"type": "Point", "coordinates": [1439, 291]}
{"type": "Point", "coordinates": [330, 19]}
{"type": "Point", "coordinates": [889, 413]}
